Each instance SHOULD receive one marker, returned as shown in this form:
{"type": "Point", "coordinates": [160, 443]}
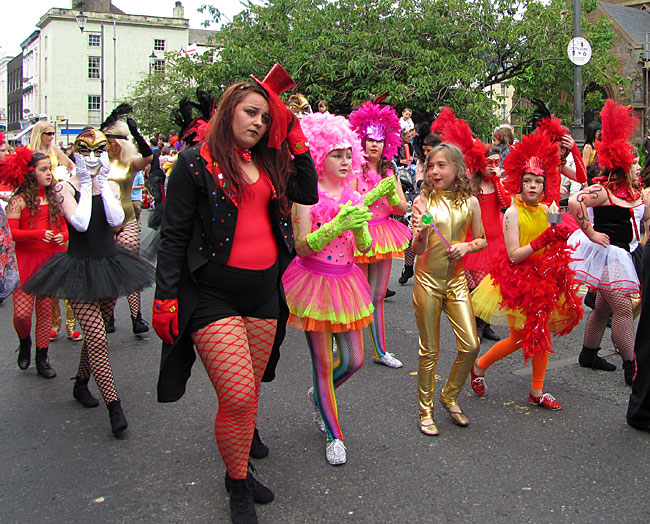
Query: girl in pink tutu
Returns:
{"type": "Point", "coordinates": [327, 294]}
{"type": "Point", "coordinates": [378, 127]}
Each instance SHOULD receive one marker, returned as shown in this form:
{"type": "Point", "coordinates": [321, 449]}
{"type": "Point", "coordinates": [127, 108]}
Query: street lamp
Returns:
{"type": "Point", "coordinates": [152, 61]}
{"type": "Point", "coordinates": [81, 19]}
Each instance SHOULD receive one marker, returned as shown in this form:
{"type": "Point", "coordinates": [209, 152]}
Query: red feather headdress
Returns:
{"type": "Point", "coordinates": [535, 153]}
{"type": "Point", "coordinates": [15, 166]}
{"type": "Point", "coordinates": [457, 132]}
{"type": "Point", "coordinates": [613, 148]}
{"type": "Point", "coordinates": [553, 127]}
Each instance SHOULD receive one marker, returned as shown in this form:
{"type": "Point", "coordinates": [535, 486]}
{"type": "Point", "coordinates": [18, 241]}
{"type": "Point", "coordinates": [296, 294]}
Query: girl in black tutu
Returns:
{"type": "Point", "coordinates": [94, 271]}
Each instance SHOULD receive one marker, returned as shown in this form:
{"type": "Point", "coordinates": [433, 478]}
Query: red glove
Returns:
{"type": "Point", "coordinates": [502, 197]}
{"type": "Point", "coordinates": [562, 231]}
{"type": "Point", "coordinates": [581, 170]}
{"type": "Point", "coordinates": [165, 319]}
{"type": "Point", "coordinates": [19, 234]}
{"type": "Point", "coordinates": [296, 139]}
{"type": "Point", "coordinates": [547, 237]}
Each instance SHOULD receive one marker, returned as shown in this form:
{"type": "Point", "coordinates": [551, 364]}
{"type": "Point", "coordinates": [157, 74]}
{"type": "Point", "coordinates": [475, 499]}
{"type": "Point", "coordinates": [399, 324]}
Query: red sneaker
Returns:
{"type": "Point", "coordinates": [478, 383]}
{"type": "Point", "coordinates": [545, 400]}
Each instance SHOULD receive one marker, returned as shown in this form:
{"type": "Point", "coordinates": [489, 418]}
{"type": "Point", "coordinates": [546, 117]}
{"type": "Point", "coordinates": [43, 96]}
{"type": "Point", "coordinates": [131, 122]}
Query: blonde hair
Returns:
{"type": "Point", "coordinates": [460, 189]}
{"type": "Point", "coordinates": [127, 149]}
{"type": "Point", "coordinates": [35, 138]}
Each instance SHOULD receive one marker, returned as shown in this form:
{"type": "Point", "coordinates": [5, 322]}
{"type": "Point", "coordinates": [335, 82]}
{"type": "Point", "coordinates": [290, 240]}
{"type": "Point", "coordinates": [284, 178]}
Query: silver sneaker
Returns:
{"type": "Point", "coordinates": [389, 360]}
{"type": "Point", "coordinates": [335, 452]}
{"type": "Point", "coordinates": [315, 413]}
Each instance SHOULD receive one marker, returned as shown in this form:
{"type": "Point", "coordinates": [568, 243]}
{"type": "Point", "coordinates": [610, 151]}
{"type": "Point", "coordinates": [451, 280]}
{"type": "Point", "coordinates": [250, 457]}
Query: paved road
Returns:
{"type": "Point", "coordinates": [514, 463]}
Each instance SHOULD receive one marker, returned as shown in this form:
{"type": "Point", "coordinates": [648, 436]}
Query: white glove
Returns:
{"type": "Point", "coordinates": [81, 217]}
{"type": "Point", "coordinates": [112, 206]}
{"type": "Point", "coordinates": [104, 169]}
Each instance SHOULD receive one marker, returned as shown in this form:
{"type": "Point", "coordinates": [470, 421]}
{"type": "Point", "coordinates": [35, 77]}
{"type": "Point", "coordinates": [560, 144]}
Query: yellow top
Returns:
{"type": "Point", "coordinates": [532, 221]}
{"type": "Point", "coordinates": [123, 176]}
{"type": "Point", "coordinates": [53, 160]}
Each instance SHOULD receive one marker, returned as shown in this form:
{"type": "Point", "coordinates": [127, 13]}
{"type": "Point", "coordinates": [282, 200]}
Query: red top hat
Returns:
{"type": "Point", "coordinates": [276, 81]}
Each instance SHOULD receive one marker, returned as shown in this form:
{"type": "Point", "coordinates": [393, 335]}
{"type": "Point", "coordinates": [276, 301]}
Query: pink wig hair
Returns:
{"type": "Point", "coordinates": [327, 132]}
{"type": "Point", "coordinates": [378, 122]}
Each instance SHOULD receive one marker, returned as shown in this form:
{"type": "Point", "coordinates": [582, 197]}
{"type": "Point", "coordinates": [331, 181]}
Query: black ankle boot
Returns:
{"type": "Point", "coordinates": [589, 359]}
{"type": "Point", "coordinates": [24, 352]}
{"type": "Point", "coordinates": [261, 494]}
{"type": "Point", "coordinates": [407, 273]}
{"type": "Point", "coordinates": [139, 324]}
{"type": "Point", "coordinates": [110, 325]}
{"type": "Point", "coordinates": [489, 333]}
{"type": "Point", "coordinates": [480, 325]}
{"type": "Point", "coordinates": [242, 505]}
{"type": "Point", "coordinates": [43, 367]}
{"type": "Point", "coordinates": [259, 450]}
{"type": "Point", "coordinates": [82, 394]}
{"type": "Point", "coordinates": [629, 370]}
{"type": "Point", "coordinates": [116, 415]}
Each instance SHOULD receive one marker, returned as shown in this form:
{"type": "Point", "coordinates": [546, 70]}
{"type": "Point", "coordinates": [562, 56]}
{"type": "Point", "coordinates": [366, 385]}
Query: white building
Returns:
{"type": "Point", "coordinates": [4, 103]}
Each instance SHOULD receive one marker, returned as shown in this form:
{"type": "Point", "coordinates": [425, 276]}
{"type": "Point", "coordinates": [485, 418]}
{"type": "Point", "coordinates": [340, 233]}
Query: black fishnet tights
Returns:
{"type": "Point", "coordinates": [129, 238]}
{"type": "Point", "coordinates": [620, 306]}
{"type": "Point", "coordinates": [94, 352]}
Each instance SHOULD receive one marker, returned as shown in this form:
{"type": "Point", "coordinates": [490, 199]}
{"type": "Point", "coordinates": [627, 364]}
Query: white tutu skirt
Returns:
{"type": "Point", "coordinates": [607, 268]}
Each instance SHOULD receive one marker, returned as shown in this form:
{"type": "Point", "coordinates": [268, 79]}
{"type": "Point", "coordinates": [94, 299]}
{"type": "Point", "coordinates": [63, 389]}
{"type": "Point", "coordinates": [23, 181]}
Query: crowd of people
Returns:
{"type": "Point", "coordinates": [268, 214]}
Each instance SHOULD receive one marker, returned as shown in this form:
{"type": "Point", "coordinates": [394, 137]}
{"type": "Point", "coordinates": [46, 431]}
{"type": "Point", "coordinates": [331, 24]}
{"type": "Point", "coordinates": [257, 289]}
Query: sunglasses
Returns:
{"type": "Point", "coordinates": [50, 133]}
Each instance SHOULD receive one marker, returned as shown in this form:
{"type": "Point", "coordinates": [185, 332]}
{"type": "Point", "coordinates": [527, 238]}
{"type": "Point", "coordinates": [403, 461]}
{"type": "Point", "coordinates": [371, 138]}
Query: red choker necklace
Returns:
{"type": "Point", "coordinates": [245, 154]}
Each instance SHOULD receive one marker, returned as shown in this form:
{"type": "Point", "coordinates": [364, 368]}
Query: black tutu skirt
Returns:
{"type": "Point", "coordinates": [87, 279]}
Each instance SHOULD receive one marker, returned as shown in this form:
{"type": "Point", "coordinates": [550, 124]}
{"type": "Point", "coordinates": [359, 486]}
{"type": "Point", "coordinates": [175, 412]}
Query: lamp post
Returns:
{"type": "Point", "coordinates": [578, 131]}
{"type": "Point", "coordinates": [152, 59]}
{"type": "Point", "coordinates": [82, 19]}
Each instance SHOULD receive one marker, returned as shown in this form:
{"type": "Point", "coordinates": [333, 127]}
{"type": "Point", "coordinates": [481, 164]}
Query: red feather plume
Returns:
{"type": "Point", "coordinates": [15, 166]}
{"type": "Point", "coordinates": [619, 124]}
{"type": "Point", "coordinates": [445, 117]}
{"type": "Point", "coordinates": [553, 127]}
{"type": "Point", "coordinates": [3, 138]}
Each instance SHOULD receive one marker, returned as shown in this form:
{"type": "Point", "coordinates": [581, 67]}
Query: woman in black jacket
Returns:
{"type": "Point", "coordinates": [225, 242]}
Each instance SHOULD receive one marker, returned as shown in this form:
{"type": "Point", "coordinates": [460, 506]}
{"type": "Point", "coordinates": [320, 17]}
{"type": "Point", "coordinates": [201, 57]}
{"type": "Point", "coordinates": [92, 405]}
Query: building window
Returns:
{"type": "Point", "coordinates": [158, 44]}
{"type": "Point", "coordinates": [94, 40]}
{"type": "Point", "coordinates": [45, 105]}
{"type": "Point", "coordinates": [94, 108]}
{"type": "Point", "coordinates": [93, 66]}
{"type": "Point", "coordinates": [45, 69]}
{"type": "Point", "coordinates": [158, 65]}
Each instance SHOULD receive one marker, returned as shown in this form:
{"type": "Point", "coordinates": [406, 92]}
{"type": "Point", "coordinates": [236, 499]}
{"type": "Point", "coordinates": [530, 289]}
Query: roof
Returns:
{"type": "Point", "coordinates": [200, 36]}
{"type": "Point", "coordinates": [635, 22]}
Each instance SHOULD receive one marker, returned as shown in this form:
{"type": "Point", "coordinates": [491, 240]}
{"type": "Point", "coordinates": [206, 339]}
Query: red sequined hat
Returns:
{"type": "Point", "coordinates": [276, 81]}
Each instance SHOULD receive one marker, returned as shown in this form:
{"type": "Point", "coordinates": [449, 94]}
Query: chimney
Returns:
{"type": "Point", "coordinates": [179, 12]}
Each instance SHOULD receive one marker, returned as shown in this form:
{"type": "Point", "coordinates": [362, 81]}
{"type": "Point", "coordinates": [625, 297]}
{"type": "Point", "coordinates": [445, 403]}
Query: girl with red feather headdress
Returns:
{"type": "Point", "coordinates": [530, 284]}
{"type": "Point", "coordinates": [602, 259]}
{"type": "Point", "coordinates": [39, 231]}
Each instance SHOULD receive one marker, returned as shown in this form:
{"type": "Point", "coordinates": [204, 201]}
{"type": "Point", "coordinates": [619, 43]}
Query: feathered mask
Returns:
{"type": "Point", "coordinates": [456, 131]}
{"type": "Point", "coordinates": [378, 122]}
{"type": "Point", "coordinates": [537, 154]}
{"type": "Point", "coordinates": [326, 132]}
{"type": "Point", "coordinates": [117, 114]}
{"type": "Point", "coordinates": [543, 120]}
{"type": "Point", "coordinates": [619, 124]}
{"type": "Point", "coordinates": [15, 166]}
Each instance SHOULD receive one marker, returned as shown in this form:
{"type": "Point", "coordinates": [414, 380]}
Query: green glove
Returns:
{"type": "Point", "coordinates": [362, 237]}
{"type": "Point", "coordinates": [384, 188]}
{"type": "Point", "coordinates": [349, 217]}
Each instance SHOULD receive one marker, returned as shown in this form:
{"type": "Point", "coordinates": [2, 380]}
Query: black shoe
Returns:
{"type": "Point", "coordinates": [407, 273]}
{"type": "Point", "coordinates": [609, 322]}
{"type": "Point", "coordinates": [24, 352]}
{"type": "Point", "coordinates": [261, 494]}
{"type": "Point", "coordinates": [590, 299]}
{"type": "Point", "coordinates": [116, 415]}
{"type": "Point", "coordinates": [629, 370]}
{"type": "Point", "coordinates": [110, 325]}
{"type": "Point", "coordinates": [389, 293]}
{"type": "Point", "coordinates": [589, 358]}
{"type": "Point", "coordinates": [242, 504]}
{"type": "Point", "coordinates": [259, 450]}
{"type": "Point", "coordinates": [489, 333]}
{"type": "Point", "coordinates": [480, 324]}
{"type": "Point", "coordinates": [139, 324]}
{"type": "Point", "coordinates": [43, 367]}
{"type": "Point", "coordinates": [82, 394]}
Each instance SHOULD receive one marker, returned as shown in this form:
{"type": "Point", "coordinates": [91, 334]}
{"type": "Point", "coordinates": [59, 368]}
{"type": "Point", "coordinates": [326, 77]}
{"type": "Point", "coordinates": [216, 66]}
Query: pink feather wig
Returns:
{"type": "Point", "coordinates": [378, 122]}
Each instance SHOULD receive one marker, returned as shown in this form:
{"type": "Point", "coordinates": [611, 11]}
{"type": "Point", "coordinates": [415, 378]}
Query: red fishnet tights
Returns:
{"type": "Point", "coordinates": [23, 308]}
{"type": "Point", "coordinates": [235, 351]}
{"type": "Point", "coordinates": [129, 239]}
{"type": "Point", "coordinates": [620, 306]}
{"type": "Point", "coordinates": [94, 352]}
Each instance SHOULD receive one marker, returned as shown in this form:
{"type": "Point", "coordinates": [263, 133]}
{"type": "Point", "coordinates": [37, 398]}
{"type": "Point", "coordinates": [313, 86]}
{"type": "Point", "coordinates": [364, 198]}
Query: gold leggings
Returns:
{"type": "Point", "coordinates": [429, 302]}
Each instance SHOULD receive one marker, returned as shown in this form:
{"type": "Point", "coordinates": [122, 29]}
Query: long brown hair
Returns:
{"type": "Point", "coordinates": [276, 163]}
{"type": "Point", "coordinates": [460, 189]}
{"type": "Point", "coordinates": [28, 190]}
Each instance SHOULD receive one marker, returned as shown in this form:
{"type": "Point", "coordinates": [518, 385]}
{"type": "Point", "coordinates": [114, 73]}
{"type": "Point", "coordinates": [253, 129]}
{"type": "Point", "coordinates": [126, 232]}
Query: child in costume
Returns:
{"type": "Point", "coordinates": [327, 294]}
{"type": "Point", "coordinates": [39, 232]}
{"type": "Point", "coordinates": [530, 284]}
{"type": "Point", "coordinates": [603, 257]}
{"type": "Point", "coordinates": [378, 127]}
{"type": "Point", "coordinates": [440, 283]}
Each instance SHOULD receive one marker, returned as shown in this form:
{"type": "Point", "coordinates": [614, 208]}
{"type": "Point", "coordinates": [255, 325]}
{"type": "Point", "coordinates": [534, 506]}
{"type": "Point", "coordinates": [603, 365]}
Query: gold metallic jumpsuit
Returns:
{"type": "Point", "coordinates": [123, 176]}
{"type": "Point", "coordinates": [439, 286]}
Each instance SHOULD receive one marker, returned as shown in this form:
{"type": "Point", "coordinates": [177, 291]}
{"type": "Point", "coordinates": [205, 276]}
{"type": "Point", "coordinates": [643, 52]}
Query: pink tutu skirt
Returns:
{"type": "Point", "coordinates": [327, 297]}
{"type": "Point", "coordinates": [389, 240]}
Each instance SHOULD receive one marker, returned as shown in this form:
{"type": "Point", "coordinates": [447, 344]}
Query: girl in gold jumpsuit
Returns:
{"type": "Point", "coordinates": [440, 283]}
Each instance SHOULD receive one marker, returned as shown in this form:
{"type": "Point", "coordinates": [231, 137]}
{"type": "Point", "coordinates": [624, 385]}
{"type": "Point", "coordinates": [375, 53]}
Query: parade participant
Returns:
{"type": "Point", "coordinates": [5, 190]}
{"type": "Point", "coordinates": [94, 271]}
{"type": "Point", "coordinates": [440, 283]}
{"type": "Point", "coordinates": [225, 241]}
{"type": "Point", "coordinates": [327, 294]}
{"type": "Point", "coordinates": [299, 105]}
{"type": "Point", "coordinates": [484, 171]}
{"type": "Point", "coordinates": [39, 231]}
{"type": "Point", "coordinates": [125, 163]}
{"type": "Point", "coordinates": [378, 128]}
{"type": "Point", "coordinates": [594, 132]}
{"type": "Point", "coordinates": [42, 140]}
{"type": "Point", "coordinates": [530, 286]}
{"type": "Point", "coordinates": [9, 278]}
{"type": "Point", "coordinates": [602, 259]}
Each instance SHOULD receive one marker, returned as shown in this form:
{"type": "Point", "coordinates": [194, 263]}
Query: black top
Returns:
{"type": "Point", "coordinates": [98, 240]}
{"type": "Point", "coordinates": [615, 222]}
